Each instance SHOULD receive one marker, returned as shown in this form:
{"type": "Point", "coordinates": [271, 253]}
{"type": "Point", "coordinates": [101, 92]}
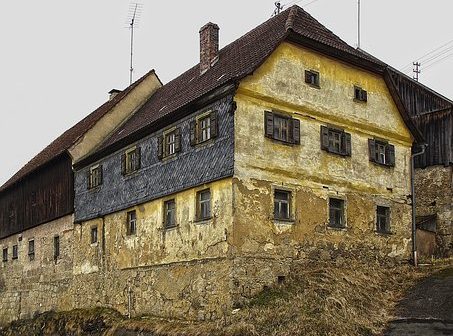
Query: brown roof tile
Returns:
{"type": "Point", "coordinates": [236, 60]}
{"type": "Point", "coordinates": [68, 138]}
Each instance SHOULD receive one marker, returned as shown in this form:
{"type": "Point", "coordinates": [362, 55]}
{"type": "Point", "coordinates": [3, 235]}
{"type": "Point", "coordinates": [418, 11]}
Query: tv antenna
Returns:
{"type": "Point", "coordinates": [135, 10]}
{"type": "Point", "coordinates": [358, 24]}
{"type": "Point", "coordinates": [278, 8]}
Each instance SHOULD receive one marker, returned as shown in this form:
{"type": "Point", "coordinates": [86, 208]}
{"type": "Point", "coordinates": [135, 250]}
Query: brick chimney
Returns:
{"type": "Point", "coordinates": [209, 46]}
{"type": "Point", "coordinates": [113, 93]}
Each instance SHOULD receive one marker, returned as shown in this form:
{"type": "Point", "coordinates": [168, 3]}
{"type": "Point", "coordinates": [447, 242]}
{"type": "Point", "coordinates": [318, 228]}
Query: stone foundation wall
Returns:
{"type": "Point", "coordinates": [434, 196]}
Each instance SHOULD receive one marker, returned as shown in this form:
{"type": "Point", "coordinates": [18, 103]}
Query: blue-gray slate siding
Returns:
{"type": "Point", "coordinates": [157, 178]}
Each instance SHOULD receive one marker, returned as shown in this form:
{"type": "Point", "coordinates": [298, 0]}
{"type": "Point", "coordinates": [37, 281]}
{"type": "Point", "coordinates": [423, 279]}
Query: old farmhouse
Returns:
{"type": "Point", "coordinates": [184, 199]}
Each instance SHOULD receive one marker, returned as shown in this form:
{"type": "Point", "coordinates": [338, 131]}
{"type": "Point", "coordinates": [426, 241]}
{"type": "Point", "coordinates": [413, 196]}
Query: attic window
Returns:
{"type": "Point", "coordinates": [95, 176]}
{"type": "Point", "coordinates": [130, 160]}
{"type": "Point", "coordinates": [312, 78]}
{"type": "Point", "coordinates": [360, 95]}
{"type": "Point", "coordinates": [169, 143]}
{"type": "Point", "coordinates": [203, 128]}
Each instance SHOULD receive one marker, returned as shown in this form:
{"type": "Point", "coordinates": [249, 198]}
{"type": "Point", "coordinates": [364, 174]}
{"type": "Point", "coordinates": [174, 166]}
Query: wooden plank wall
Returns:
{"type": "Point", "coordinates": [43, 196]}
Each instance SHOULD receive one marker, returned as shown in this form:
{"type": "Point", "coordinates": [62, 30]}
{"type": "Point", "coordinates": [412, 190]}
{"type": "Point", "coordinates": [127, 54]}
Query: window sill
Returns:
{"type": "Point", "coordinates": [283, 221]}
{"type": "Point", "coordinates": [201, 221]}
{"type": "Point", "coordinates": [94, 244]}
{"type": "Point", "coordinates": [336, 228]}
{"type": "Point", "coordinates": [169, 157]}
{"type": "Point", "coordinates": [336, 153]}
{"type": "Point", "coordinates": [95, 189]}
{"type": "Point", "coordinates": [382, 164]}
{"type": "Point", "coordinates": [384, 233]}
{"type": "Point", "coordinates": [359, 101]}
{"type": "Point", "coordinates": [282, 142]}
{"type": "Point", "coordinates": [204, 143]}
{"type": "Point", "coordinates": [131, 174]}
{"type": "Point", "coordinates": [170, 228]}
{"type": "Point", "coordinates": [315, 86]}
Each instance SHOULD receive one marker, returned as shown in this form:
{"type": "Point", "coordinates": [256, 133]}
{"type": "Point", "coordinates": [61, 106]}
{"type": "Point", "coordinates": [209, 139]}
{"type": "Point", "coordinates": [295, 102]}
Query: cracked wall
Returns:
{"type": "Point", "coordinates": [312, 175]}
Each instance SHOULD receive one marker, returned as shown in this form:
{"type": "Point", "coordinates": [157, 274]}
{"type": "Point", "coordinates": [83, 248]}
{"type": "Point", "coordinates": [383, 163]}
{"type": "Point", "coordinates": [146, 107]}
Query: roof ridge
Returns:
{"type": "Point", "coordinates": [291, 16]}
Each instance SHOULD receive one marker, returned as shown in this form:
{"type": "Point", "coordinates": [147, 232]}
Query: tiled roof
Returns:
{"type": "Point", "coordinates": [68, 138]}
{"type": "Point", "coordinates": [236, 60]}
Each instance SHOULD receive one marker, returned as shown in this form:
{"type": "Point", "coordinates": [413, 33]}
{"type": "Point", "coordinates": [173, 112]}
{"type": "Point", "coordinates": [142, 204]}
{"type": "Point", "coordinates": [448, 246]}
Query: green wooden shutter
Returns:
{"type": "Point", "coordinates": [101, 174]}
{"type": "Point", "coordinates": [372, 150]}
{"type": "Point", "coordinates": [193, 133]}
{"type": "Point", "coordinates": [324, 138]}
{"type": "Point", "coordinates": [123, 164]}
{"type": "Point", "coordinates": [214, 125]}
{"type": "Point", "coordinates": [177, 140]}
{"type": "Point", "coordinates": [160, 147]}
{"type": "Point", "coordinates": [295, 128]}
{"type": "Point", "coordinates": [390, 155]}
{"type": "Point", "coordinates": [269, 124]}
{"type": "Point", "coordinates": [138, 158]}
{"type": "Point", "coordinates": [347, 143]}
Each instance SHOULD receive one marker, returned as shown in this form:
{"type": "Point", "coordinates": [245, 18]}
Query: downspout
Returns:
{"type": "Point", "coordinates": [414, 228]}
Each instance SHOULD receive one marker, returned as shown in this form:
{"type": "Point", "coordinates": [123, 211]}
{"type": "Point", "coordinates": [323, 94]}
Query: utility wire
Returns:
{"type": "Point", "coordinates": [430, 55]}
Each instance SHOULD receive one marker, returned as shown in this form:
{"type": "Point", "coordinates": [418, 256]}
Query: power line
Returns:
{"type": "Point", "coordinates": [431, 55]}
{"type": "Point", "coordinates": [438, 61]}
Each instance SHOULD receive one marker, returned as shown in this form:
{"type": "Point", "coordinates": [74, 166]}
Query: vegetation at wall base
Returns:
{"type": "Point", "coordinates": [318, 298]}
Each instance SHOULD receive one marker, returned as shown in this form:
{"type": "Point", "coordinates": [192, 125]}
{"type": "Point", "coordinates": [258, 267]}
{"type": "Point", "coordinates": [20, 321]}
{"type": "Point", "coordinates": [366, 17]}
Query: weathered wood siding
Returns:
{"type": "Point", "coordinates": [43, 196]}
{"type": "Point", "coordinates": [437, 128]}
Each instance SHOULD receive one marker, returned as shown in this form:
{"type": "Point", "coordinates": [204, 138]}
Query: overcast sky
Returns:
{"type": "Point", "coordinates": [60, 58]}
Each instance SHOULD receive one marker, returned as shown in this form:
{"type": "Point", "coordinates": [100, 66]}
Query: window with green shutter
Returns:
{"type": "Point", "coordinates": [282, 128]}
{"type": "Point", "coordinates": [203, 128]}
{"type": "Point", "coordinates": [335, 141]}
{"type": "Point", "coordinates": [169, 143]}
{"type": "Point", "coordinates": [381, 152]}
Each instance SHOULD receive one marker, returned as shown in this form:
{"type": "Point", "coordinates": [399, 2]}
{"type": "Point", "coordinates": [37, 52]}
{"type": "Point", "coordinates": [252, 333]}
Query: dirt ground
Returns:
{"type": "Point", "coordinates": [427, 308]}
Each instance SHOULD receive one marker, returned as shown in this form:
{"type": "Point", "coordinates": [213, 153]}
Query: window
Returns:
{"type": "Point", "coordinates": [95, 176]}
{"type": "Point", "coordinates": [170, 213]}
{"type": "Point", "coordinates": [282, 204]}
{"type": "Point", "coordinates": [15, 252]}
{"type": "Point", "coordinates": [383, 219]}
{"type": "Point", "coordinates": [312, 78]}
{"type": "Point", "coordinates": [31, 249]}
{"type": "Point", "coordinates": [5, 254]}
{"type": "Point", "coordinates": [381, 152]}
{"type": "Point", "coordinates": [130, 160]}
{"type": "Point", "coordinates": [204, 204]}
{"type": "Point", "coordinates": [203, 128]}
{"type": "Point", "coordinates": [131, 225]}
{"type": "Point", "coordinates": [56, 247]}
{"type": "Point", "coordinates": [282, 128]}
{"type": "Point", "coordinates": [94, 235]}
{"type": "Point", "coordinates": [360, 94]}
{"type": "Point", "coordinates": [335, 141]}
{"type": "Point", "coordinates": [169, 143]}
{"type": "Point", "coordinates": [336, 213]}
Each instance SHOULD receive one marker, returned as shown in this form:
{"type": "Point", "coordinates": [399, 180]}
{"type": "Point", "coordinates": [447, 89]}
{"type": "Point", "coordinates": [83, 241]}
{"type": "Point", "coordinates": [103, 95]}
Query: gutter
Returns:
{"type": "Point", "coordinates": [414, 228]}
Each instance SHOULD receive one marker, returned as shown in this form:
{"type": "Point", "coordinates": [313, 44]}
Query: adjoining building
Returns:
{"type": "Point", "coordinates": [284, 145]}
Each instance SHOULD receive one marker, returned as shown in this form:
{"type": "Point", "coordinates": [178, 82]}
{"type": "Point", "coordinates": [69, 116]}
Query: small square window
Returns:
{"type": "Point", "coordinates": [56, 247]}
{"type": "Point", "coordinates": [5, 254]}
{"type": "Point", "coordinates": [335, 141]}
{"type": "Point", "coordinates": [203, 128]}
{"type": "Point", "coordinates": [130, 160]}
{"type": "Point", "coordinates": [170, 213]}
{"type": "Point", "coordinates": [131, 225]}
{"type": "Point", "coordinates": [360, 94]}
{"type": "Point", "coordinates": [336, 213]}
{"type": "Point", "coordinates": [312, 78]}
{"type": "Point", "coordinates": [94, 235]}
{"type": "Point", "coordinates": [282, 204]}
{"type": "Point", "coordinates": [204, 204]}
{"type": "Point", "coordinates": [15, 252]}
{"type": "Point", "coordinates": [282, 127]}
{"type": "Point", "coordinates": [381, 152]}
{"type": "Point", "coordinates": [95, 176]}
{"type": "Point", "coordinates": [31, 249]}
{"type": "Point", "coordinates": [382, 219]}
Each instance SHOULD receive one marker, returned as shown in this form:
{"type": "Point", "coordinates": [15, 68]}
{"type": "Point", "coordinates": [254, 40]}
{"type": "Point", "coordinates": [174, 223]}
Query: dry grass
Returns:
{"type": "Point", "coordinates": [320, 298]}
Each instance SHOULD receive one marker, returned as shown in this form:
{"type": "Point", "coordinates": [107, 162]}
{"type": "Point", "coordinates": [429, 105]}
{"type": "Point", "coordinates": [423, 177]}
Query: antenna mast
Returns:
{"type": "Point", "coordinates": [416, 70]}
{"type": "Point", "coordinates": [358, 24]}
{"type": "Point", "coordinates": [278, 8]}
{"type": "Point", "coordinates": [133, 17]}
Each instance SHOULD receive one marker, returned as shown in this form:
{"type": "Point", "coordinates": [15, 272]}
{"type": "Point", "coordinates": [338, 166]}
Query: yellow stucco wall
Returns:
{"type": "Point", "coordinates": [313, 175]}
{"type": "Point", "coordinates": [152, 244]}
